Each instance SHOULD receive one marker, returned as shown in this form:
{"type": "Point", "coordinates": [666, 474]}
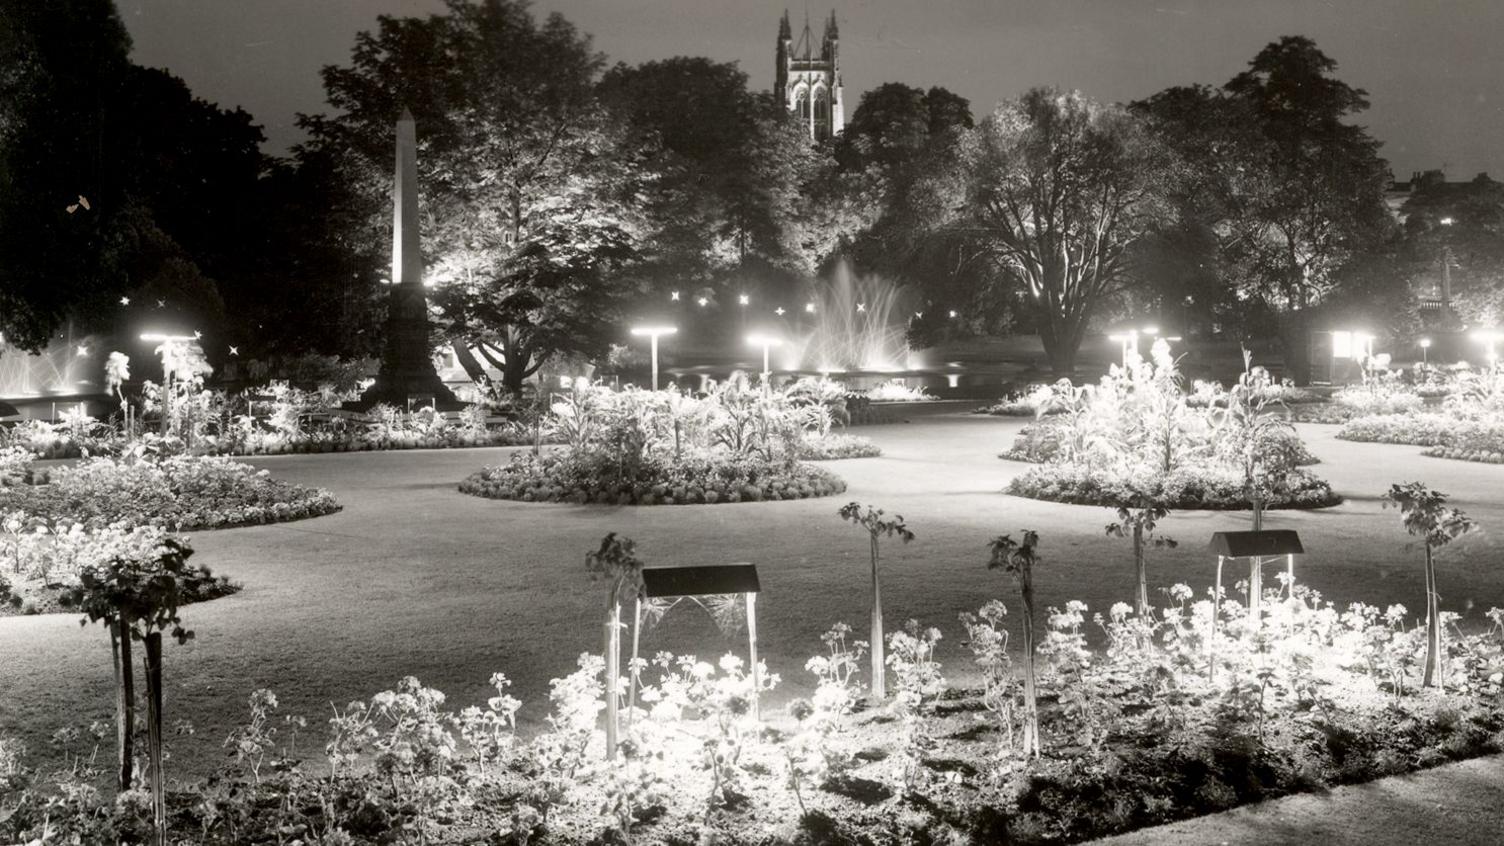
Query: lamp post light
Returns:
{"type": "Point", "coordinates": [165, 351]}
{"type": "Point", "coordinates": [653, 332]}
{"type": "Point", "coordinates": [767, 342]}
{"type": "Point", "coordinates": [1425, 350]}
{"type": "Point", "coordinates": [1129, 340]}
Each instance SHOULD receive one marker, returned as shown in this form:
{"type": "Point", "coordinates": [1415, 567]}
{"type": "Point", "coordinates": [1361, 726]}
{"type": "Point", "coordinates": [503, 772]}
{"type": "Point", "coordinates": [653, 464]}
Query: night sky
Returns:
{"type": "Point", "coordinates": [1434, 69]}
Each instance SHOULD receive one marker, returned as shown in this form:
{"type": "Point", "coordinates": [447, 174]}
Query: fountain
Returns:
{"type": "Point", "coordinates": [69, 366]}
{"type": "Point", "coordinates": [858, 325]}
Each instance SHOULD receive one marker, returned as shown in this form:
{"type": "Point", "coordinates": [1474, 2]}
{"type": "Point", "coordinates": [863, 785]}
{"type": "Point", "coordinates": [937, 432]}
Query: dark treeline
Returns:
{"type": "Point", "coordinates": [563, 194]}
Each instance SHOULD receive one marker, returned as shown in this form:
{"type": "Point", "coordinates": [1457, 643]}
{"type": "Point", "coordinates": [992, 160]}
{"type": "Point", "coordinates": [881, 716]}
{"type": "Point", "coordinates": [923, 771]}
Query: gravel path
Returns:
{"type": "Point", "coordinates": [414, 578]}
{"type": "Point", "coordinates": [1459, 804]}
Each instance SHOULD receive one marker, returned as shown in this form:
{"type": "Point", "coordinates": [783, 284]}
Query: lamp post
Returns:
{"type": "Point", "coordinates": [1425, 350]}
{"type": "Point", "coordinates": [1446, 272]}
{"type": "Point", "coordinates": [653, 332]}
{"type": "Point", "coordinates": [1129, 340]}
{"type": "Point", "coordinates": [767, 342]}
{"type": "Point", "coordinates": [165, 351]}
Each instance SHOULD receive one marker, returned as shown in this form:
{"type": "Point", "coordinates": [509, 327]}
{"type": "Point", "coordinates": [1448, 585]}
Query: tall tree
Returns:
{"type": "Point", "coordinates": [529, 196]}
{"type": "Point", "coordinates": [1275, 194]}
{"type": "Point", "coordinates": [114, 179]}
{"type": "Point", "coordinates": [1054, 191]}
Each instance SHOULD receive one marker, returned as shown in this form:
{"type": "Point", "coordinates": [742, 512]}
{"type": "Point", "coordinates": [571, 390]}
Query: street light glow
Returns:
{"type": "Point", "coordinates": [767, 342]}
{"type": "Point", "coordinates": [654, 330]}
{"type": "Point", "coordinates": [653, 333]}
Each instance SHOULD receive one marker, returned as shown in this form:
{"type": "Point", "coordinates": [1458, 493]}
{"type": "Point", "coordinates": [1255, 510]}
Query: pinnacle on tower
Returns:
{"type": "Point", "coordinates": [785, 29]}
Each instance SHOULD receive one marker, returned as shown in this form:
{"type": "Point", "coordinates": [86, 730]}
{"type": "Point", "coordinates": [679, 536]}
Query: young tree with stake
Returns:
{"type": "Point", "coordinates": [872, 520]}
{"type": "Point", "coordinates": [1139, 523]}
{"type": "Point", "coordinates": [1018, 559]}
{"type": "Point", "coordinates": [136, 594]}
{"type": "Point", "coordinates": [616, 562]}
{"type": "Point", "coordinates": [1426, 514]}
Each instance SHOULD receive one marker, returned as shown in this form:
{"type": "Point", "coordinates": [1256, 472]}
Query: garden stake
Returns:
{"type": "Point", "coordinates": [752, 650]}
{"type": "Point", "coordinates": [153, 660]}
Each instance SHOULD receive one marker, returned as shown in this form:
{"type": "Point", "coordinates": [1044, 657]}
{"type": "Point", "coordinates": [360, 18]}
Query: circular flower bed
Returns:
{"type": "Point", "coordinates": [1182, 489]}
{"type": "Point", "coordinates": [834, 446]}
{"type": "Point", "coordinates": [586, 478]}
{"type": "Point", "coordinates": [179, 493]}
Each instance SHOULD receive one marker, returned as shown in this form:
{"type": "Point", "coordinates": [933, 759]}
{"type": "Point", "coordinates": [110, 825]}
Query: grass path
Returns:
{"type": "Point", "coordinates": [414, 578]}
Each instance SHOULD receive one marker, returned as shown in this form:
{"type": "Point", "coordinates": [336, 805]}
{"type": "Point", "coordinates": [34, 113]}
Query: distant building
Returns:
{"type": "Point", "coordinates": [810, 82]}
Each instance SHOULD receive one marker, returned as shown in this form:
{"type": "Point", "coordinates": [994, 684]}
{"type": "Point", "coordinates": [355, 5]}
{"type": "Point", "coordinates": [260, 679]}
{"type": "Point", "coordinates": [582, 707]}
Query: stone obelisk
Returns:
{"type": "Point", "coordinates": [406, 365]}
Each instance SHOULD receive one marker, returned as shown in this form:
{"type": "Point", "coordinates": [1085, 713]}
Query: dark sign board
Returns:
{"type": "Point", "coordinates": [1249, 544]}
{"type": "Point", "coordinates": [700, 581]}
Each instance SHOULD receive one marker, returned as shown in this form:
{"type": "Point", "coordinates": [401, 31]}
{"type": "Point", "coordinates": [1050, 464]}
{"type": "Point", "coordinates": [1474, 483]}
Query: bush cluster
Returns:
{"type": "Point", "coordinates": [583, 478]}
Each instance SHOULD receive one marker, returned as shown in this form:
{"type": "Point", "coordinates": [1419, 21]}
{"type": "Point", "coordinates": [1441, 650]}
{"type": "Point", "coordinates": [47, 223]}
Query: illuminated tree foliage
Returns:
{"type": "Point", "coordinates": [529, 197]}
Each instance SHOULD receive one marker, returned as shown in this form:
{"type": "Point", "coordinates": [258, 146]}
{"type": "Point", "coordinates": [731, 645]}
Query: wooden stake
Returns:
{"type": "Point", "coordinates": [154, 736]}
{"type": "Point", "coordinates": [125, 700]}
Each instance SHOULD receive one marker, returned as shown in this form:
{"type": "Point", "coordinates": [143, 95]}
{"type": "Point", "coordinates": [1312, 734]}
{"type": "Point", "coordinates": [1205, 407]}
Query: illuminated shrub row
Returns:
{"type": "Point", "coordinates": [589, 478]}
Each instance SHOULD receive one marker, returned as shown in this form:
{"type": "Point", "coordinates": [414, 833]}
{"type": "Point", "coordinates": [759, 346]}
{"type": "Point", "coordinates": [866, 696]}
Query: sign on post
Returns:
{"type": "Point", "coordinates": [711, 580]}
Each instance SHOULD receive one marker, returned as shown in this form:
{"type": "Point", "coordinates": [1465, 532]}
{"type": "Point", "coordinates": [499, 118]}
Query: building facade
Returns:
{"type": "Point", "coordinates": [809, 81]}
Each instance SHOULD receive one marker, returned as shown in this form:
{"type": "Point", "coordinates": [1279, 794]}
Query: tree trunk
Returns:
{"type": "Point", "coordinates": [154, 736]}
{"type": "Point", "coordinates": [125, 700]}
{"type": "Point", "coordinates": [879, 675]}
{"type": "Point", "coordinates": [1433, 623]}
{"type": "Point", "coordinates": [1061, 352]}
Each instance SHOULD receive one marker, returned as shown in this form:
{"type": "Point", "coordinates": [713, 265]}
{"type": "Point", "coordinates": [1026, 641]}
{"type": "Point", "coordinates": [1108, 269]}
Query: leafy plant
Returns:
{"type": "Point", "coordinates": [1139, 524]}
{"type": "Point", "coordinates": [877, 527]}
{"type": "Point", "coordinates": [617, 563]}
{"type": "Point", "coordinates": [1017, 559]}
{"type": "Point", "coordinates": [1426, 515]}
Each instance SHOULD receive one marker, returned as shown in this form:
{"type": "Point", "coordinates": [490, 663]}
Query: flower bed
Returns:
{"type": "Point", "coordinates": [709, 479]}
{"type": "Point", "coordinates": [179, 493]}
{"type": "Point", "coordinates": [40, 562]}
{"type": "Point", "coordinates": [1413, 429]}
{"type": "Point", "coordinates": [1184, 488]}
{"type": "Point", "coordinates": [835, 445]}
{"type": "Point", "coordinates": [1482, 442]}
{"type": "Point", "coordinates": [1325, 412]}
{"type": "Point", "coordinates": [1135, 730]}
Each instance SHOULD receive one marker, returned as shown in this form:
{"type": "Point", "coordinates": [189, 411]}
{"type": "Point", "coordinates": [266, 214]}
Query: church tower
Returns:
{"type": "Point", "coordinates": [808, 81]}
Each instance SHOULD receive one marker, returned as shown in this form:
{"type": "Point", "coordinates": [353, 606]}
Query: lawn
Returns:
{"type": "Point", "coordinates": [415, 578]}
